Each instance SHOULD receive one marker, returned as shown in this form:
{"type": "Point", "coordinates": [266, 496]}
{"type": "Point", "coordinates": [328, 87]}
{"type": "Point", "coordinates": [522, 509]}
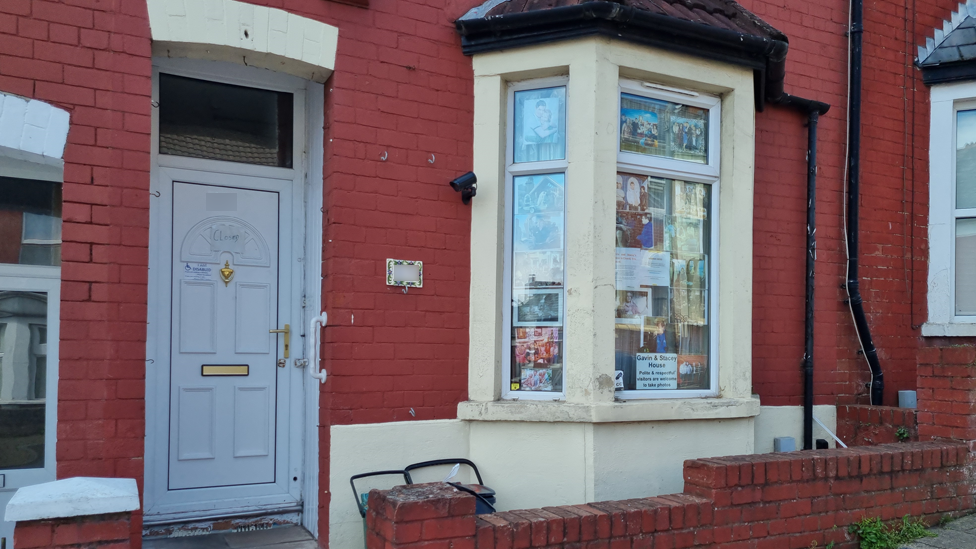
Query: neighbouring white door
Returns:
{"type": "Point", "coordinates": [224, 372]}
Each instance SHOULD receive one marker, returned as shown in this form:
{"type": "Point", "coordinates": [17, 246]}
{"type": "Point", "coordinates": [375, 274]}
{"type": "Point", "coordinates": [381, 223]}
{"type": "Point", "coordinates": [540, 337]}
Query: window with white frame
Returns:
{"type": "Point", "coordinates": [952, 212]}
{"type": "Point", "coordinates": [536, 243]}
{"type": "Point", "coordinates": [666, 242]}
{"type": "Point", "coordinates": [964, 212]}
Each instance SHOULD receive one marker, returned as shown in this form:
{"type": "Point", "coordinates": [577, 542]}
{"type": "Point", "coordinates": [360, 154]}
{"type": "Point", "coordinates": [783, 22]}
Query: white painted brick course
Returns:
{"type": "Point", "coordinates": [32, 126]}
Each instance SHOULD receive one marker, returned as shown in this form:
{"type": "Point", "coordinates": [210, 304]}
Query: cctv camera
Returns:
{"type": "Point", "coordinates": [467, 185]}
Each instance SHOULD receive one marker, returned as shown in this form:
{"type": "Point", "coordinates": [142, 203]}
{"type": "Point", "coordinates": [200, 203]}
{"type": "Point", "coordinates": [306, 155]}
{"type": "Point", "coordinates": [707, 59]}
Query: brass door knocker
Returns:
{"type": "Point", "coordinates": [226, 274]}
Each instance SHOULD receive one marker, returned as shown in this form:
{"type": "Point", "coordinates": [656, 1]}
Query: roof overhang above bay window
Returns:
{"type": "Point", "coordinates": [950, 54]}
{"type": "Point", "coordinates": [721, 30]}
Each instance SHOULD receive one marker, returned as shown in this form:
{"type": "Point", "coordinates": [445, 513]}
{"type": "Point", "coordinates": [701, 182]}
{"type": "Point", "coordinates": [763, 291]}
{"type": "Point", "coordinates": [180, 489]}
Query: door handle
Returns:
{"type": "Point", "coordinates": [315, 328]}
{"type": "Point", "coordinates": [287, 332]}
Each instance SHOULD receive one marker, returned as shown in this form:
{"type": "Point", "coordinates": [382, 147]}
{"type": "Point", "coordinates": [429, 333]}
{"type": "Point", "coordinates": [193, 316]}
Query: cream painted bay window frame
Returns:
{"type": "Point", "coordinates": [595, 66]}
{"type": "Point", "coordinates": [946, 100]}
{"type": "Point", "coordinates": [513, 170]}
{"type": "Point", "coordinates": [681, 170]}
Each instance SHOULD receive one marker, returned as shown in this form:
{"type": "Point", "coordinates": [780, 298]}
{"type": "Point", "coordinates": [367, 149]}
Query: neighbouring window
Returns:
{"type": "Point", "coordinates": [666, 185]}
{"type": "Point", "coordinates": [30, 222]}
{"type": "Point", "coordinates": [203, 119]}
{"type": "Point", "coordinates": [536, 243]}
{"type": "Point", "coordinates": [964, 213]}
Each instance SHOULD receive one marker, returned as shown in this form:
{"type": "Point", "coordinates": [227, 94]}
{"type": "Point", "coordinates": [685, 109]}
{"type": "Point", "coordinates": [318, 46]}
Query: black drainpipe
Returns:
{"type": "Point", "coordinates": [853, 284]}
{"type": "Point", "coordinates": [813, 110]}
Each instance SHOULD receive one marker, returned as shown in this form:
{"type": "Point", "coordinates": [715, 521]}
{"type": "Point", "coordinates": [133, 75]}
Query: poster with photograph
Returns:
{"type": "Point", "coordinates": [640, 193]}
{"type": "Point", "coordinates": [688, 138]}
{"type": "Point", "coordinates": [537, 308]}
{"type": "Point", "coordinates": [689, 272]}
{"type": "Point", "coordinates": [543, 193]}
{"type": "Point", "coordinates": [540, 125]}
{"type": "Point", "coordinates": [536, 379]}
{"type": "Point", "coordinates": [688, 235]}
{"type": "Point", "coordinates": [538, 232]}
{"type": "Point", "coordinates": [662, 128]}
{"type": "Point", "coordinates": [632, 304]}
{"type": "Point", "coordinates": [640, 125]}
{"type": "Point", "coordinates": [537, 269]}
{"type": "Point", "coordinates": [657, 371]}
{"type": "Point", "coordinates": [690, 306]}
{"type": "Point", "coordinates": [689, 199]}
{"type": "Point", "coordinates": [693, 372]}
{"type": "Point", "coordinates": [537, 346]}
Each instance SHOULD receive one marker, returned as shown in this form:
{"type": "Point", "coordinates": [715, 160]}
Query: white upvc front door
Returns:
{"type": "Point", "coordinates": [228, 412]}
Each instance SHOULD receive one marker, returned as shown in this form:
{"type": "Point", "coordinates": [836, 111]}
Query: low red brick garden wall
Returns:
{"type": "Point", "coordinates": [864, 425]}
{"type": "Point", "coordinates": [947, 391]}
{"type": "Point", "coordinates": [767, 501]}
{"type": "Point", "coordinates": [85, 532]}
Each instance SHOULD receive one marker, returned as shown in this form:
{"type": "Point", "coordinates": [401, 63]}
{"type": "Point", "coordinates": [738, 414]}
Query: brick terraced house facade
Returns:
{"type": "Point", "coordinates": [207, 207]}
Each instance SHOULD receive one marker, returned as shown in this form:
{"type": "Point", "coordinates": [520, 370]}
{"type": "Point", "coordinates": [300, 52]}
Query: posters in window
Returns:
{"type": "Point", "coordinates": [536, 379]}
{"type": "Point", "coordinates": [655, 127]}
{"type": "Point", "coordinates": [544, 193]}
{"type": "Point", "coordinates": [640, 193]}
{"type": "Point", "coordinates": [657, 371]}
{"type": "Point", "coordinates": [689, 199]}
{"type": "Point", "coordinates": [537, 308]}
{"type": "Point", "coordinates": [538, 232]}
{"type": "Point", "coordinates": [537, 269]}
{"type": "Point", "coordinates": [690, 306]}
{"type": "Point", "coordinates": [688, 235]}
{"type": "Point", "coordinates": [537, 347]}
{"type": "Point", "coordinates": [540, 125]}
{"type": "Point", "coordinates": [689, 271]}
{"type": "Point", "coordinates": [637, 268]}
{"type": "Point", "coordinates": [693, 372]}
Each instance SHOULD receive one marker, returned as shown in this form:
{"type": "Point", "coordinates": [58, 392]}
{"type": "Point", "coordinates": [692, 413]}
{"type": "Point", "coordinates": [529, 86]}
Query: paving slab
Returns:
{"type": "Point", "coordinates": [958, 534]}
{"type": "Point", "coordinates": [288, 537]}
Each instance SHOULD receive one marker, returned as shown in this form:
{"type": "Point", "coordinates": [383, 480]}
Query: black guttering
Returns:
{"type": "Point", "coordinates": [853, 284]}
{"type": "Point", "coordinates": [813, 110]}
{"type": "Point", "coordinates": [949, 72]}
{"type": "Point", "coordinates": [765, 56]}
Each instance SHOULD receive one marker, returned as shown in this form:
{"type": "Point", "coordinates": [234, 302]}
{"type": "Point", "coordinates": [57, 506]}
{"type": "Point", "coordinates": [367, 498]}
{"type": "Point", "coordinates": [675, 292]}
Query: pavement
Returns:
{"type": "Point", "coordinates": [958, 534]}
{"type": "Point", "coordinates": [286, 537]}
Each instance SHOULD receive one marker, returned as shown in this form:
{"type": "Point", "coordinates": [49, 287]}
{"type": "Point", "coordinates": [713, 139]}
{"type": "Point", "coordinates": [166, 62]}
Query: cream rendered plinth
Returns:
{"type": "Point", "coordinates": [787, 421]}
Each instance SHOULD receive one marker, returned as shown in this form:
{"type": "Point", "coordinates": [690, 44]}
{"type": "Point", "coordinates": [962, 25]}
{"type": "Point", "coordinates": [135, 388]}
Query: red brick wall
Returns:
{"type": "Point", "coordinates": [92, 58]}
{"type": "Point", "coordinates": [894, 196]}
{"type": "Point", "coordinates": [947, 390]}
{"type": "Point", "coordinates": [865, 425]}
{"type": "Point", "coordinates": [769, 501]}
{"type": "Point", "coordinates": [90, 532]}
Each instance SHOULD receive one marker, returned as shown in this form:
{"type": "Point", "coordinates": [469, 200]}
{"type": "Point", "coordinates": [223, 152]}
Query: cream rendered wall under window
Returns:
{"type": "Point", "coordinates": [595, 66]}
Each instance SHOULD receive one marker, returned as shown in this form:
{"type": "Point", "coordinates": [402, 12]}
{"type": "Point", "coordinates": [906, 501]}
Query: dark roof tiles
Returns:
{"type": "Point", "coordinates": [723, 14]}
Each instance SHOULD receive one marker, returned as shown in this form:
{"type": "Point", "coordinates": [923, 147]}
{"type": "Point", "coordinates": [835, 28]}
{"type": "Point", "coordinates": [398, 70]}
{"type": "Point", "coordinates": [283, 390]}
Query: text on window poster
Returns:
{"type": "Point", "coordinates": [657, 371]}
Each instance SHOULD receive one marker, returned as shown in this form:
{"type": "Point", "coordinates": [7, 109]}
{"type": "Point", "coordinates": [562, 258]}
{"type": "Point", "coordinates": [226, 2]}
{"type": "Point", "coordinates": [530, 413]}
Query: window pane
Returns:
{"type": "Point", "coordinates": [204, 119]}
{"type": "Point", "coordinates": [966, 159]}
{"type": "Point", "coordinates": [966, 267]}
{"type": "Point", "coordinates": [661, 128]}
{"type": "Point", "coordinates": [537, 282]}
{"type": "Point", "coordinates": [23, 378]}
{"type": "Point", "coordinates": [662, 281]}
{"type": "Point", "coordinates": [30, 222]}
{"type": "Point", "coordinates": [540, 125]}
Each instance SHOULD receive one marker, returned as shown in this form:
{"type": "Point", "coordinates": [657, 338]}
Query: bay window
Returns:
{"type": "Point", "coordinates": [599, 289]}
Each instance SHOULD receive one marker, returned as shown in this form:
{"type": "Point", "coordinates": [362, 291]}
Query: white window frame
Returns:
{"type": "Point", "coordinates": [513, 170]}
{"type": "Point", "coordinates": [946, 100]}
{"type": "Point", "coordinates": [682, 170]}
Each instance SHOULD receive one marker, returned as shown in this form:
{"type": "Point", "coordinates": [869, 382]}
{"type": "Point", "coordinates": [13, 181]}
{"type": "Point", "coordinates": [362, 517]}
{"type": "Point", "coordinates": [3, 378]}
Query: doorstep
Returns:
{"type": "Point", "coordinates": [285, 537]}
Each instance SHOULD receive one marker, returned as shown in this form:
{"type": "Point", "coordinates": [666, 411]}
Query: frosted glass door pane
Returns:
{"type": "Point", "coordinates": [966, 159]}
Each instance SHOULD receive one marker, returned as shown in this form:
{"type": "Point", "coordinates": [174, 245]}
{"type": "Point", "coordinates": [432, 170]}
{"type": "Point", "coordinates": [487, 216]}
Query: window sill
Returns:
{"type": "Point", "coordinates": [952, 329]}
{"type": "Point", "coordinates": [611, 412]}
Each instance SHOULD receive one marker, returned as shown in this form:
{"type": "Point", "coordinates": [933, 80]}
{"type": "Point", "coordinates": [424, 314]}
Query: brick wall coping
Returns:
{"type": "Point", "coordinates": [73, 497]}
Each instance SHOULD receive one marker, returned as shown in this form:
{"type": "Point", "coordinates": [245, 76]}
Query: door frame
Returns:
{"type": "Point", "coordinates": [306, 229]}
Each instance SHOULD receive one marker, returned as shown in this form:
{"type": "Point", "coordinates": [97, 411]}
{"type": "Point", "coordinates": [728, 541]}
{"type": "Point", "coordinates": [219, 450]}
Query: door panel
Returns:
{"type": "Point", "coordinates": [225, 272]}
